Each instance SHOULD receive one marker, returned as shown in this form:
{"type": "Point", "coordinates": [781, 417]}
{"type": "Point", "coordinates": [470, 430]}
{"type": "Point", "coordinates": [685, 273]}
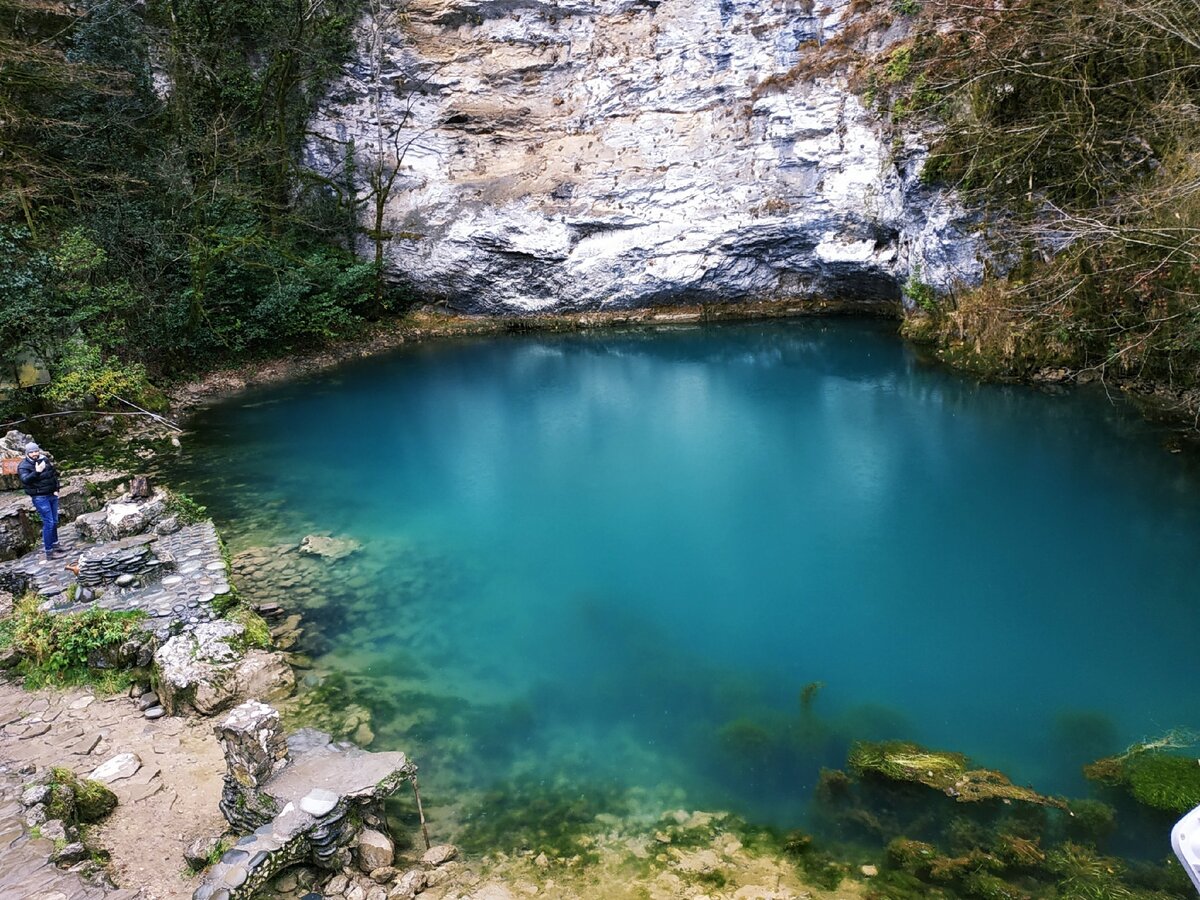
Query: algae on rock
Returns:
{"type": "Point", "coordinates": [942, 770]}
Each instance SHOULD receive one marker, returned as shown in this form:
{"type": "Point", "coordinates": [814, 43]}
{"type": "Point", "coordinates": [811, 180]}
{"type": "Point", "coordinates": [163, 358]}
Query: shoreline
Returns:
{"type": "Point", "coordinates": [427, 324]}
{"type": "Point", "coordinates": [1177, 409]}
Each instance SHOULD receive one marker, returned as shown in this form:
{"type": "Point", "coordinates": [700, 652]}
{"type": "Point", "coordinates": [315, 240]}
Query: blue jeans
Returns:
{"type": "Point", "coordinates": [47, 508]}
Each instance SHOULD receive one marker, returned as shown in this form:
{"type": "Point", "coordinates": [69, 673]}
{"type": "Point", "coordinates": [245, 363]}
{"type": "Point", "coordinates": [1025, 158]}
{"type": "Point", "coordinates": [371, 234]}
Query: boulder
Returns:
{"type": "Point", "coordinates": [408, 885]}
{"type": "Point", "coordinates": [206, 671]}
{"type": "Point", "coordinates": [375, 850]}
{"type": "Point", "coordinates": [200, 851]}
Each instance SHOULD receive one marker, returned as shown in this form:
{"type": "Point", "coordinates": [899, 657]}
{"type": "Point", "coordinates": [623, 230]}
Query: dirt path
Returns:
{"type": "Point", "coordinates": [168, 802]}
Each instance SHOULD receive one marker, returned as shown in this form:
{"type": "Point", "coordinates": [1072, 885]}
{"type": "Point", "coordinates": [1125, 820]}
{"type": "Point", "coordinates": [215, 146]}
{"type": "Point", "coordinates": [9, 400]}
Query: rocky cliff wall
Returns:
{"type": "Point", "coordinates": [617, 153]}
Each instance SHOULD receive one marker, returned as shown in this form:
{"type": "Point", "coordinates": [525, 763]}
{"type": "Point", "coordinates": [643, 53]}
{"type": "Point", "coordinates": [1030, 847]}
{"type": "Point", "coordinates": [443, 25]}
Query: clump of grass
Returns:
{"type": "Point", "coordinates": [71, 649]}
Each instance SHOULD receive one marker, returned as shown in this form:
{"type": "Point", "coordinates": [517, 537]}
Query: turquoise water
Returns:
{"type": "Point", "coordinates": [620, 557]}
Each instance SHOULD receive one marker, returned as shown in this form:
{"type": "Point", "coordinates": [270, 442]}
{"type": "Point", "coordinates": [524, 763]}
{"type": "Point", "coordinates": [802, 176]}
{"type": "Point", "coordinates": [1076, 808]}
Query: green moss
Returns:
{"type": "Point", "coordinates": [991, 887]}
{"type": "Point", "coordinates": [901, 761]}
{"type": "Point", "coordinates": [93, 800]}
{"type": "Point", "coordinates": [257, 635]}
{"type": "Point", "coordinates": [1153, 774]}
{"type": "Point", "coordinates": [913, 857]}
{"type": "Point", "coordinates": [61, 804]}
{"type": "Point", "coordinates": [185, 508]}
{"type": "Point", "coordinates": [78, 801]}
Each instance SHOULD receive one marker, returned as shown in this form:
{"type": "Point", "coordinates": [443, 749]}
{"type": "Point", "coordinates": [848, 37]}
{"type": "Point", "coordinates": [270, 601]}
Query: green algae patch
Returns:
{"type": "Point", "coordinates": [1156, 779]}
{"type": "Point", "coordinates": [941, 770]}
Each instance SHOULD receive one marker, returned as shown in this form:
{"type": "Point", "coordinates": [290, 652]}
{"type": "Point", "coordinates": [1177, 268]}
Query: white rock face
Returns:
{"type": "Point", "coordinates": [615, 153]}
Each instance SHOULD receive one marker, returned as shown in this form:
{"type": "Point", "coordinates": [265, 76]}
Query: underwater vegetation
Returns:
{"type": "Point", "coordinates": [945, 771]}
{"type": "Point", "coordinates": [1035, 848]}
{"type": "Point", "coordinates": [1154, 773]}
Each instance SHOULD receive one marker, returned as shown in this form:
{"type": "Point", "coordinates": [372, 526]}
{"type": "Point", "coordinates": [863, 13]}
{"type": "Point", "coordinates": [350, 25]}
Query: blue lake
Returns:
{"type": "Point", "coordinates": [618, 558]}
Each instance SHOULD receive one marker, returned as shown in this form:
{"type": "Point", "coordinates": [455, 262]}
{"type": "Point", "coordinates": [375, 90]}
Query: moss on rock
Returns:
{"type": "Point", "coordinates": [78, 801]}
{"type": "Point", "coordinates": [942, 770]}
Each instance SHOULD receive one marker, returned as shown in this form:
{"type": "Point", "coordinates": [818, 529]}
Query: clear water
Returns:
{"type": "Point", "coordinates": [620, 557]}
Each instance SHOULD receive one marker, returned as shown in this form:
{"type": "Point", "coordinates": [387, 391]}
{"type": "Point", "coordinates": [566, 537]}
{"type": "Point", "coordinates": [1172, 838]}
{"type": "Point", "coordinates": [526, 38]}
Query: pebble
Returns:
{"type": "Point", "coordinates": [155, 712]}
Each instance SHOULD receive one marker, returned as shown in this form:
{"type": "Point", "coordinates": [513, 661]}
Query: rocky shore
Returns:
{"type": "Point", "coordinates": [209, 797]}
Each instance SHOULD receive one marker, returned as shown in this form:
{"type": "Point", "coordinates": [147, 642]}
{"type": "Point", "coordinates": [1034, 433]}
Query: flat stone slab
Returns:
{"type": "Point", "coordinates": [123, 765]}
{"type": "Point", "coordinates": [343, 770]}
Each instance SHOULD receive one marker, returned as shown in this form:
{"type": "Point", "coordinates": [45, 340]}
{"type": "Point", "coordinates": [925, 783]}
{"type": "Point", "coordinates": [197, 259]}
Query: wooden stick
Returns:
{"type": "Point", "coordinates": [421, 812]}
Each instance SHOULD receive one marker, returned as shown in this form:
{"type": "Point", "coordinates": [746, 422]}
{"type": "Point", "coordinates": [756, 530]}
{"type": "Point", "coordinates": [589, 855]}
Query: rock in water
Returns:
{"type": "Point", "coordinates": [329, 547]}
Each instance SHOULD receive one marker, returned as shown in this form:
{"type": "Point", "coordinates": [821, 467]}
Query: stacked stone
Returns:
{"type": "Point", "coordinates": [316, 824]}
{"type": "Point", "coordinates": [255, 749]}
{"type": "Point", "coordinates": [120, 562]}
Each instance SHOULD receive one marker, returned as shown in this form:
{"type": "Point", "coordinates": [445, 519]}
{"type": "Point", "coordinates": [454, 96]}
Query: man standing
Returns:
{"type": "Point", "coordinates": [40, 479]}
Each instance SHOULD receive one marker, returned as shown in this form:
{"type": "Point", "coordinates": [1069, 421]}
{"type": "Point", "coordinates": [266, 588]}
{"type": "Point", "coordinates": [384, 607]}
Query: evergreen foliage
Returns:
{"type": "Point", "coordinates": [153, 215]}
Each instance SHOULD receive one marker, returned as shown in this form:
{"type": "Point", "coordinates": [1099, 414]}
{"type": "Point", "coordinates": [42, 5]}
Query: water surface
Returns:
{"type": "Point", "coordinates": [621, 557]}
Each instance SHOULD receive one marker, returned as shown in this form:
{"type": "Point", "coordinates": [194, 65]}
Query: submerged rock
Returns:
{"type": "Point", "coordinates": [942, 770]}
{"type": "Point", "coordinates": [1152, 776]}
{"type": "Point", "coordinates": [331, 548]}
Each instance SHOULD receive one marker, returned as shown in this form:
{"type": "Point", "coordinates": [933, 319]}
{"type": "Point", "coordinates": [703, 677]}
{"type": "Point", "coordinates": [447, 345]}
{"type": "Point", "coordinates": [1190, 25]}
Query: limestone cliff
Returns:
{"type": "Point", "coordinates": [615, 153]}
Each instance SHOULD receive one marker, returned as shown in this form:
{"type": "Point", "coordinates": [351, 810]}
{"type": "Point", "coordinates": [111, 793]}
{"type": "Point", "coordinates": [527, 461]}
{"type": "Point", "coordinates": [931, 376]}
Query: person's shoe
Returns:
{"type": "Point", "coordinates": [55, 553]}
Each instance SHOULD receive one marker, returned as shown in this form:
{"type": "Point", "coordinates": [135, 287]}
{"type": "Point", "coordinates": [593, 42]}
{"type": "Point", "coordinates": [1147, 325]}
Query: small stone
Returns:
{"type": "Point", "coordinates": [54, 830]}
{"type": "Point", "coordinates": [82, 702]}
{"type": "Point", "coordinates": [336, 885]}
{"type": "Point", "coordinates": [147, 700]}
{"type": "Point", "coordinates": [38, 793]}
{"type": "Point", "coordinates": [155, 712]}
{"type": "Point", "coordinates": [120, 766]}
{"type": "Point", "coordinates": [541, 861]}
{"type": "Point", "coordinates": [383, 875]}
{"type": "Point", "coordinates": [869, 871]}
{"type": "Point", "coordinates": [125, 580]}
{"type": "Point", "coordinates": [71, 853]}
{"type": "Point", "coordinates": [355, 892]}
{"type": "Point", "coordinates": [319, 802]}
{"type": "Point", "coordinates": [376, 893]}
{"type": "Point", "coordinates": [439, 855]}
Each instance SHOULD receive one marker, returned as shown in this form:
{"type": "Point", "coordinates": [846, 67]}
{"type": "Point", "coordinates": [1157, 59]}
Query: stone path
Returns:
{"type": "Point", "coordinates": [176, 787]}
{"type": "Point", "coordinates": [173, 578]}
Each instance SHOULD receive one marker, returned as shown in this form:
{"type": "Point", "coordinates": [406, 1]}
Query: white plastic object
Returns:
{"type": "Point", "coordinates": [1185, 841]}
